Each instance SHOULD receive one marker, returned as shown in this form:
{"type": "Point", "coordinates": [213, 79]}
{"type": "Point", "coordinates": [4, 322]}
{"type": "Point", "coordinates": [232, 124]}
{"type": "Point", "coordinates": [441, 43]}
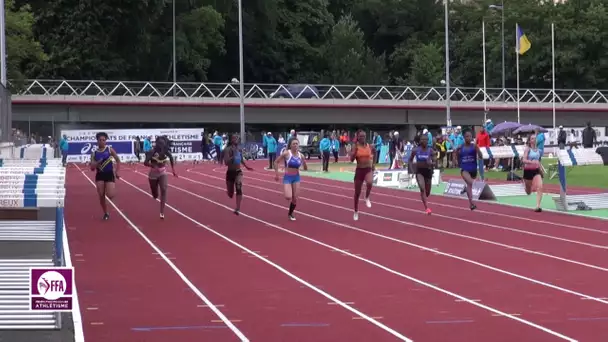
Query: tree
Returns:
{"type": "Point", "coordinates": [427, 68]}
{"type": "Point", "coordinates": [347, 57]}
{"type": "Point", "coordinates": [24, 52]}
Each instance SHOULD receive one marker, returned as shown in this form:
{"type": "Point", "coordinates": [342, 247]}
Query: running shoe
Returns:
{"type": "Point", "coordinates": [428, 211]}
{"type": "Point", "coordinates": [106, 216]}
{"type": "Point", "coordinates": [162, 216]}
{"type": "Point", "coordinates": [292, 217]}
{"type": "Point", "coordinates": [356, 216]}
{"type": "Point", "coordinates": [236, 212]}
{"type": "Point", "coordinates": [538, 210]}
{"type": "Point", "coordinates": [368, 203]}
{"type": "Point", "coordinates": [473, 207]}
{"type": "Point", "coordinates": [463, 190]}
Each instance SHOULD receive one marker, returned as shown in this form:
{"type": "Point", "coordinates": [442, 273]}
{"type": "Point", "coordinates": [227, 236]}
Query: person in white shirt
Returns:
{"type": "Point", "coordinates": [572, 139]}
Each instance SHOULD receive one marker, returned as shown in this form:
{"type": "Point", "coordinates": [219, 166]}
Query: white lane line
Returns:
{"type": "Point", "coordinates": [182, 276]}
{"type": "Point", "coordinates": [281, 269]}
{"type": "Point", "coordinates": [420, 282]}
{"type": "Point", "coordinates": [477, 223]}
{"type": "Point", "coordinates": [331, 184]}
{"type": "Point", "coordinates": [410, 224]}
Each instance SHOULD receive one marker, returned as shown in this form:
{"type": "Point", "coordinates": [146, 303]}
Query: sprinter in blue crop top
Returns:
{"type": "Point", "coordinates": [425, 159]}
{"type": "Point", "coordinates": [233, 158]}
{"type": "Point", "coordinates": [291, 179]}
{"type": "Point", "coordinates": [468, 156]}
{"type": "Point", "coordinates": [106, 173]}
{"type": "Point", "coordinates": [533, 171]}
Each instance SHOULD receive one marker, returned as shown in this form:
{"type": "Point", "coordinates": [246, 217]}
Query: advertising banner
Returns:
{"type": "Point", "coordinates": [186, 141]}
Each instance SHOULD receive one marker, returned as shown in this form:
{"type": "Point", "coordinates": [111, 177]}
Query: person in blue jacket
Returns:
{"type": "Point", "coordinates": [217, 143]}
{"type": "Point", "coordinates": [271, 149]}
{"type": "Point", "coordinates": [147, 144]}
{"type": "Point", "coordinates": [325, 147]}
{"type": "Point", "coordinates": [540, 143]}
{"type": "Point", "coordinates": [378, 145]}
{"type": "Point", "coordinates": [335, 146]}
{"type": "Point", "coordinates": [64, 147]}
{"type": "Point", "coordinates": [265, 144]}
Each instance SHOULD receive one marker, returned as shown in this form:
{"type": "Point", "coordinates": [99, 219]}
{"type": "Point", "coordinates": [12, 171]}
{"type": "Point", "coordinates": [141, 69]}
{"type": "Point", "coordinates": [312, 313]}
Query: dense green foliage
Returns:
{"type": "Point", "coordinates": [306, 41]}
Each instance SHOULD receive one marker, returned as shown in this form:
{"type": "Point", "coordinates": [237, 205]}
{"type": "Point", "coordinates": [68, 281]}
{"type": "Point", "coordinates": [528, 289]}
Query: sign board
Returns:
{"type": "Point", "coordinates": [481, 190]}
{"type": "Point", "coordinates": [396, 178]}
{"type": "Point", "coordinates": [51, 289]}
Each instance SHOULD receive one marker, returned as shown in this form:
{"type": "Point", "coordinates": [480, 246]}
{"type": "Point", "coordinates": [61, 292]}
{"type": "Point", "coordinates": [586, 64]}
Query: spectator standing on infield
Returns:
{"type": "Point", "coordinates": [572, 140]}
{"type": "Point", "coordinates": [271, 148]}
{"type": "Point", "coordinates": [483, 140]}
{"type": "Point", "coordinates": [378, 145]}
{"type": "Point", "coordinates": [335, 146]}
{"type": "Point", "coordinates": [325, 147]}
{"type": "Point", "coordinates": [589, 136]}
{"type": "Point", "coordinates": [540, 143]}
{"type": "Point", "coordinates": [148, 144]}
{"type": "Point", "coordinates": [561, 138]}
{"type": "Point", "coordinates": [396, 145]}
{"type": "Point", "coordinates": [217, 143]}
{"type": "Point", "coordinates": [265, 145]}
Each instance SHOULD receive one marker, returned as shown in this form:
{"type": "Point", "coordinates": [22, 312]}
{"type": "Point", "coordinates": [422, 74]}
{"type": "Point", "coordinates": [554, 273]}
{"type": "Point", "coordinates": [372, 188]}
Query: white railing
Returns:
{"type": "Point", "coordinates": [321, 92]}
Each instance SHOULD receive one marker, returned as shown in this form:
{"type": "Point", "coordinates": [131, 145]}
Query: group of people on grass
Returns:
{"type": "Point", "coordinates": [106, 163]}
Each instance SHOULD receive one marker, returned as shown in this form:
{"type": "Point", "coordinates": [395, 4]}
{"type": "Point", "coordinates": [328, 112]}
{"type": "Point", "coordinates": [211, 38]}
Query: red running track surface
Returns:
{"type": "Point", "coordinates": [393, 274]}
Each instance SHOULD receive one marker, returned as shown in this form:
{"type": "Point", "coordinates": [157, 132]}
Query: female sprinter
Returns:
{"type": "Point", "coordinates": [533, 174]}
{"type": "Point", "coordinates": [363, 153]}
{"type": "Point", "coordinates": [157, 160]}
{"type": "Point", "coordinates": [468, 155]}
{"type": "Point", "coordinates": [102, 161]}
{"type": "Point", "coordinates": [424, 168]}
{"type": "Point", "coordinates": [233, 158]}
{"type": "Point", "coordinates": [291, 180]}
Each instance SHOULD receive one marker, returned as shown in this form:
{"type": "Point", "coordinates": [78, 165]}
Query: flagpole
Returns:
{"type": "Point", "coordinates": [485, 103]}
{"type": "Point", "coordinates": [553, 69]}
{"type": "Point", "coordinates": [517, 71]}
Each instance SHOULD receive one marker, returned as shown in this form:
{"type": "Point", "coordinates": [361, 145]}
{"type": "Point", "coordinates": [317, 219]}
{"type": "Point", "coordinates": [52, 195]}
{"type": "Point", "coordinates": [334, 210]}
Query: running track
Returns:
{"type": "Point", "coordinates": [497, 274]}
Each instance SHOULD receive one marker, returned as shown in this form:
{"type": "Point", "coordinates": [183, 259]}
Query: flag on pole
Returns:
{"type": "Point", "coordinates": [523, 43]}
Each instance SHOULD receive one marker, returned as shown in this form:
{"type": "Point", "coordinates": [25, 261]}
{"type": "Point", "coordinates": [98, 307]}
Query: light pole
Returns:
{"type": "Point", "coordinates": [174, 54]}
{"type": "Point", "coordinates": [241, 84]}
{"type": "Point", "coordinates": [448, 114]}
{"type": "Point", "coordinates": [501, 8]}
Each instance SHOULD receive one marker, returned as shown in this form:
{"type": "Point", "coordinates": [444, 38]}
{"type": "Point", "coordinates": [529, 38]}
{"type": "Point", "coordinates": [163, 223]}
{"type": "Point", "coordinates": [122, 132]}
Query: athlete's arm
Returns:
{"type": "Point", "coordinates": [353, 153]}
{"type": "Point", "coordinates": [93, 162]}
{"type": "Point", "coordinates": [117, 159]}
{"type": "Point", "coordinates": [479, 154]}
{"type": "Point", "coordinates": [373, 150]}
{"type": "Point", "coordinates": [412, 155]}
{"type": "Point", "coordinates": [228, 156]}
{"type": "Point", "coordinates": [148, 160]}
{"type": "Point", "coordinates": [280, 159]}
{"type": "Point", "coordinates": [172, 162]}
{"type": "Point", "coordinates": [455, 156]}
{"type": "Point", "coordinates": [243, 161]}
{"type": "Point", "coordinates": [304, 165]}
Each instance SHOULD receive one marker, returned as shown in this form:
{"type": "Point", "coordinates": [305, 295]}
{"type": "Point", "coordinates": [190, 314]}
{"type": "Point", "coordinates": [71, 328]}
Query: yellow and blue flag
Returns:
{"type": "Point", "coordinates": [523, 43]}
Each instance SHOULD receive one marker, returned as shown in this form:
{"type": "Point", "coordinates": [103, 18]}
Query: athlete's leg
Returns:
{"type": "Point", "coordinates": [101, 192]}
{"type": "Point", "coordinates": [295, 190]}
{"type": "Point", "coordinates": [238, 187]}
{"type": "Point", "coordinates": [422, 185]}
{"type": "Point", "coordinates": [153, 187]}
{"type": "Point", "coordinates": [537, 185]}
{"type": "Point", "coordinates": [369, 184]}
{"type": "Point", "coordinates": [528, 186]}
{"type": "Point", "coordinates": [163, 182]}
{"type": "Point", "coordinates": [466, 176]}
{"type": "Point", "coordinates": [110, 189]}
{"type": "Point", "coordinates": [358, 186]}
